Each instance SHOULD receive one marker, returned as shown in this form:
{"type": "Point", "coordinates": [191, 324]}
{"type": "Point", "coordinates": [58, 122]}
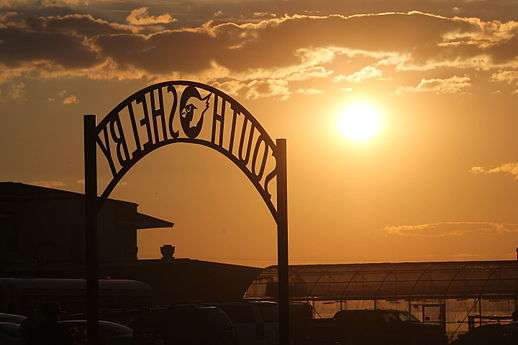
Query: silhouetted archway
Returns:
{"type": "Point", "coordinates": [183, 112]}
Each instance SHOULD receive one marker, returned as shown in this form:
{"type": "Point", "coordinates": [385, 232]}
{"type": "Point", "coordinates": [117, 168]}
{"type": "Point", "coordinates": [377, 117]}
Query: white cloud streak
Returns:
{"type": "Point", "coordinates": [509, 77]}
{"type": "Point", "coordinates": [72, 99]}
{"type": "Point", "coordinates": [507, 168]}
{"type": "Point", "coordinates": [450, 85]}
{"type": "Point", "coordinates": [448, 229]}
{"type": "Point", "coordinates": [141, 16]}
{"type": "Point", "coordinates": [366, 73]}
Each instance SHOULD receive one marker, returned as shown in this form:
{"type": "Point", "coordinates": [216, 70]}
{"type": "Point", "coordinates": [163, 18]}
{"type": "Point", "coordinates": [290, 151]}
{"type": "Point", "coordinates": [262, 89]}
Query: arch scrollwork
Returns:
{"type": "Point", "coordinates": [187, 112]}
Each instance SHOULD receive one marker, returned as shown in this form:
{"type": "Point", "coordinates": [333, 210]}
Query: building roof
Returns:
{"type": "Point", "coordinates": [19, 191]}
{"type": "Point", "coordinates": [392, 281]}
{"type": "Point", "coordinates": [145, 221]}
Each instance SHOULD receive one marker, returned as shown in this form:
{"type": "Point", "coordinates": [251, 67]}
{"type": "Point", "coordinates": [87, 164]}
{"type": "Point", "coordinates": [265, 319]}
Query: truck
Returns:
{"type": "Point", "coordinates": [370, 327]}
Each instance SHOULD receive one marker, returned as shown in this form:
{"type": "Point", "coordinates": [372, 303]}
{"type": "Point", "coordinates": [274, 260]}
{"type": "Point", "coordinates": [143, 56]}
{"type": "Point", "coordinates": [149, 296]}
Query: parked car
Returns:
{"type": "Point", "coordinates": [255, 322]}
{"type": "Point", "coordinates": [14, 318]}
{"type": "Point", "coordinates": [10, 334]}
{"type": "Point", "coordinates": [20, 295]}
{"type": "Point", "coordinates": [123, 316]}
{"type": "Point", "coordinates": [301, 314]}
{"type": "Point", "coordinates": [490, 335]}
{"type": "Point", "coordinates": [184, 325]}
{"type": "Point", "coordinates": [111, 333]}
{"type": "Point", "coordinates": [385, 327]}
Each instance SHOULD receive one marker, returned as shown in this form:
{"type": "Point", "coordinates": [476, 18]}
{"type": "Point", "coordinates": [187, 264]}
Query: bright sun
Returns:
{"type": "Point", "coordinates": [359, 121]}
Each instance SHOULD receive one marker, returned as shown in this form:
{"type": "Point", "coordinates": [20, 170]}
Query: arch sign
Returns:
{"type": "Point", "coordinates": [183, 112]}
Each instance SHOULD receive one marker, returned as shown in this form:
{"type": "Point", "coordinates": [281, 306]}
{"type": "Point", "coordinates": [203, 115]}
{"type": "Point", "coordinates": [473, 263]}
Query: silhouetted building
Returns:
{"type": "Point", "coordinates": [43, 237]}
{"type": "Point", "coordinates": [43, 225]}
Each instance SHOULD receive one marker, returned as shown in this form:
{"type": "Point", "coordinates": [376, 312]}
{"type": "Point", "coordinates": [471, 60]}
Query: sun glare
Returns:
{"type": "Point", "coordinates": [359, 121]}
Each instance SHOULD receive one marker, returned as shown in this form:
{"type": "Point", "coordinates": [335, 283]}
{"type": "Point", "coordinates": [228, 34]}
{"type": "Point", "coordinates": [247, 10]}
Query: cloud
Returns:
{"type": "Point", "coordinates": [244, 46]}
{"type": "Point", "coordinates": [15, 3]}
{"type": "Point", "coordinates": [163, 52]}
{"type": "Point", "coordinates": [264, 15]}
{"type": "Point", "coordinates": [63, 3]}
{"type": "Point", "coordinates": [485, 34]}
{"type": "Point", "coordinates": [447, 229]}
{"type": "Point", "coordinates": [309, 65]}
{"type": "Point", "coordinates": [276, 52]}
{"type": "Point", "coordinates": [21, 47]}
{"type": "Point", "coordinates": [17, 91]}
{"type": "Point", "coordinates": [13, 92]}
{"type": "Point", "coordinates": [234, 45]}
{"type": "Point", "coordinates": [310, 91]}
{"type": "Point", "coordinates": [368, 72]}
{"type": "Point", "coordinates": [64, 97]}
{"type": "Point", "coordinates": [510, 77]}
{"type": "Point", "coordinates": [507, 168]}
{"type": "Point", "coordinates": [268, 88]}
{"type": "Point", "coordinates": [450, 85]}
{"type": "Point", "coordinates": [140, 16]}
{"type": "Point", "coordinates": [43, 3]}
{"type": "Point", "coordinates": [81, 24]}
{"type": "Point", "coordinates": [72, 99]}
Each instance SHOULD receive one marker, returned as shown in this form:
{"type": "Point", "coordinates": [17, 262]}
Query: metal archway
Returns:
{"type": "Point", "coordinates": [183, 112]}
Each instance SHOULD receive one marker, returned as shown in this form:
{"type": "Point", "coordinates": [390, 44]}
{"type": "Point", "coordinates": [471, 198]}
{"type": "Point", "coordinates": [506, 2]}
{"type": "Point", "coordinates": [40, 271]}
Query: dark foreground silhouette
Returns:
{"type": "Point", "coordinates": [42, 327]}
{"type": "Point", "coordinates": [369, 327]}
{"type": "Point", "coordinates": [239, 323]}
{"type": "Point", "coordinates": [490, 335]}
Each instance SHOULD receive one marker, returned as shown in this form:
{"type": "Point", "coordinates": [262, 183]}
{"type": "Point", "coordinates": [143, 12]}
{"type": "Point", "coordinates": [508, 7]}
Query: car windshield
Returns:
{"type": "Point", "coordinates": [107, 328]}
{"type": "Point", "coordinates": [405, 316]}
{"type": "Point", "coordinates": [389, 317]}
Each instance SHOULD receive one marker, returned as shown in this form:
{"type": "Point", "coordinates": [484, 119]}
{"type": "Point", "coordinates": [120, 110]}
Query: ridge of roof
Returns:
{"type": "Point", "coordinates": [23, 189]}
{"type": "Point", "coordinates": [402, 263]}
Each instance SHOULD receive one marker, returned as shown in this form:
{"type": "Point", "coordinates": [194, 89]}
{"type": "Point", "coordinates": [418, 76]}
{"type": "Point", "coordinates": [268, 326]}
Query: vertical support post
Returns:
{"type": "Point", "coordinates": [282, 244]}
{"type": "Point", "coordinates": [91, 208]}
{"type": "Point", "coordinates": [442, 313]}
{"type": "Point", "coordinates": [480, 310]}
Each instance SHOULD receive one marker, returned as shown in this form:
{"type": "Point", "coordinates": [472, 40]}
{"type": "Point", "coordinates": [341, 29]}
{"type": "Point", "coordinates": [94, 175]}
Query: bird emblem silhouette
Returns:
{"type": "Point", "coordinates": [192, 109]}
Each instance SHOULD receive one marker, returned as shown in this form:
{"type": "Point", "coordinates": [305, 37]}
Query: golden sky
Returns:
{"type": "Point", "coordinates": [437, 181]}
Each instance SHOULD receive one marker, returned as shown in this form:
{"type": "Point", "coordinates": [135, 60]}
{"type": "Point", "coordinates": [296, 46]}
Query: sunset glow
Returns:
{"type": "Point", "coordinates": [359, 121]}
